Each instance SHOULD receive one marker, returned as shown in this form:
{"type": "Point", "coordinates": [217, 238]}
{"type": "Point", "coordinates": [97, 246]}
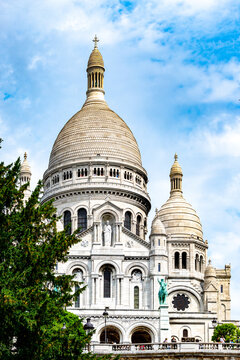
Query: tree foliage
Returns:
{"type": "Point", "coordinates": [229, 332]}
{"type": "Point", "coordinates": [33, 298]}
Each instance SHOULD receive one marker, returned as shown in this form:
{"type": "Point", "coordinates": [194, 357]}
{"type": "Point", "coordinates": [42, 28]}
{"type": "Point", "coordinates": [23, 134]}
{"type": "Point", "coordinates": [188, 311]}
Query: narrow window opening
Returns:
{"type": "Point", "coordinates": [184, 260]}
{"type": "Point", "coordinates": [128, 220]}
{"type": "Point", "coordinates": [136, 297]}
{"type": "Point", "coordinates": [82, 219]}
{"type": "Point", "coordinates": [107, 283]}
{"type": "Point", "coordinates": [138, 225]}
{"type": "Point", "coordinates": [176, 260]}
{"type": "Point", "coordinates": [67, 222]}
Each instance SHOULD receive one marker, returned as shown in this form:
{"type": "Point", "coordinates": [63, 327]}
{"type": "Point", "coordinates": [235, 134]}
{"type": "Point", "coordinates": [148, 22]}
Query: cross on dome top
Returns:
{"type": "Point", "coordinates": [95, 40]}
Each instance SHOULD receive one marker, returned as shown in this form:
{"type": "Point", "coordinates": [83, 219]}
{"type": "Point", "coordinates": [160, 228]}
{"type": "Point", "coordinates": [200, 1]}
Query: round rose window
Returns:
{"type": "Point", "coordinates": [180, 302]}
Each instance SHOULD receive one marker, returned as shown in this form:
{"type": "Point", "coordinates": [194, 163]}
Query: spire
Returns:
{"type": "Point", "coordinates": [95, 74]}
{"type": "Point", "coordinates": [176, 177]}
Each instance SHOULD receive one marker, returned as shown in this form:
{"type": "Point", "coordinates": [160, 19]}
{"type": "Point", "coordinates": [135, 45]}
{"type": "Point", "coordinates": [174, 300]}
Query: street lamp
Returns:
{"type": "Point", "coordinates": [88, 327]}
{"type": "Point", "coordinates": [214, 322]}
{"type": "Point", "coordinates": [105, 314]}
{"type": "Point", "coordinates": [62, 333]}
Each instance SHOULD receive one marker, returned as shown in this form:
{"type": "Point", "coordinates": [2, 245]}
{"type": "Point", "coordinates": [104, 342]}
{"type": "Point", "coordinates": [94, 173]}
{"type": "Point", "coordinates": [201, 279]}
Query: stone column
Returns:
{"type": "Point", "coordinates": [164, 326]}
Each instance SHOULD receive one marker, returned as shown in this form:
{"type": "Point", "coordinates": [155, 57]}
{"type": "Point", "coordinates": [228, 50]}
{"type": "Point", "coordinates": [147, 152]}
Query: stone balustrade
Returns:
{"type": "Point", "coordinates": [157, 348]}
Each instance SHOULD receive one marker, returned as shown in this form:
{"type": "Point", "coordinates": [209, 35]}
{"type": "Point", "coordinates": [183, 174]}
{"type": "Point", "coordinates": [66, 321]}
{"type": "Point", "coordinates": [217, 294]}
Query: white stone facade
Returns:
{"type": "Point", "coordinates": [96, 176]}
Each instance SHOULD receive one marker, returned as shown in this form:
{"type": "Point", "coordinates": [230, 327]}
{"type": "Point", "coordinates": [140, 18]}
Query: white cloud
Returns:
{"type": "Point", "coordinates": [35, 61]}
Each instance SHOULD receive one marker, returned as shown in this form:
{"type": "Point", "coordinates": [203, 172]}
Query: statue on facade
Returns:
{"type": "Point", "coordinates": [107, 234]}
{"type": "Point", "coordinates": [162, 294]}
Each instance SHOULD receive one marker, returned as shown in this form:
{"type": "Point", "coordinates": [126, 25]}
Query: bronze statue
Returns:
{"type": "Point", "coordinates": [162, 294]}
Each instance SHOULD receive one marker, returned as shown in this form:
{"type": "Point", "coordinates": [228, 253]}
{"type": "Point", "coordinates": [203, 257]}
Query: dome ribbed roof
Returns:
{"type": "Point", "coordinates": [157, 227]}
{"type": "Point", "coordinates": [179, 218]}
{"type": "Point", "coordinates": [25, 167]}
{"type": "Point", "coordinates": [95, 58]}
{"type": "Point", "coordinates": [94, 130]}
{"type": "Point", "coordinates": [176, 168]}
{"type": "Point", "coordinates": [210, 271]}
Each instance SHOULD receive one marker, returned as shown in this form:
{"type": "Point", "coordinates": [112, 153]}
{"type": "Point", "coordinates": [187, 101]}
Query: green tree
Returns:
{"type": "Point", "coordinates": [229, 331]}
{"type": "Point", "coordinates": [33, 298]}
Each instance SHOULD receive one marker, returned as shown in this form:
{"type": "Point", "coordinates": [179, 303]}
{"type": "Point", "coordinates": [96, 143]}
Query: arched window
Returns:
{"type": "Point", "coordinates": [184, 260]}
{"type": "Point", "coordinates": [176, 260]}
{"type": "Point", "coordinates": [136, 297]}
{"type": "Point", "coordinates": [128, 220]}
{"type": "Point", "coordinates": [107, 283]}
{"type": "Point", "coordinates": [138, 225]}
{"type": "Point", "coordinates": [67, 221]}
{"type": "Point", "coordinates": [77, 299]}
{"type": "Point", "coordinates": [196, 262]}
{"type": "Point", "coordinates": [79, 278]}
{"type": "Point", "coordinates": [201, 264]}
{"type": "Point", "coordinates": [185, 333]}
{"type": "Point", "coordinates": [82, 219]}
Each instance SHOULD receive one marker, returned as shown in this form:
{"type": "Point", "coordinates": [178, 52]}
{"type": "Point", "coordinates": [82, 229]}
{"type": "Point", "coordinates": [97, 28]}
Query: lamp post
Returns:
{"type": "Point", "coordinates": [105, 314]}
{"type": "Point", "coordinates": [62, 332]}
{"type": "Point", "coordinates": [88, 327]}
{"type": "Point", "coordinates": [214, 322]}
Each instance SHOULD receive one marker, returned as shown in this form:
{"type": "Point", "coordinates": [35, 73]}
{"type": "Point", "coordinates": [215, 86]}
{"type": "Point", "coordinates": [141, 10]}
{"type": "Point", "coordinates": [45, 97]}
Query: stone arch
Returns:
{"type": "Point", "coordinates": [75, 264]}
{"type": "Point", "coordinates": [141, 334]}
{"type": "Point", "coordinates": [131, 211]}
{"type": "Point", "coordinates": [79, 206]}
{"type": "Point", "coordinates": [65, 209]}
{"type": "Point", "coordinates": [110, 324]}
{"type": "Point", "coordinates": [181, 331]}
{"type": "Point", "coordinates": [107, 262]}
{"type": "Point", "coordinates": [186, 289]}
{"type": "Point", "coordinates": [143, 324]}
{"type": "Point", "coordinates": [135, 265]}
{"type": "Point", "coordinates": [105, 211]}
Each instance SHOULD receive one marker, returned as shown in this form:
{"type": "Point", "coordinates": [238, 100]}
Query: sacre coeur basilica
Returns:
{"type": "Point", "coordinates": [96, 176]}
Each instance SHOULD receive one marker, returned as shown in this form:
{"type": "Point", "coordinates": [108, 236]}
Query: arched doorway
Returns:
{"type": "Point", "coordinates": [112, 335]}
{"type": "Point", "coordinates": [141, 335]}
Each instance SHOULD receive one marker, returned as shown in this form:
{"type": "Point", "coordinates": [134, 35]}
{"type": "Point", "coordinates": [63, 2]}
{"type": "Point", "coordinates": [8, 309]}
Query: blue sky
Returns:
{"type": "Point", "coordinates": [172, 73]}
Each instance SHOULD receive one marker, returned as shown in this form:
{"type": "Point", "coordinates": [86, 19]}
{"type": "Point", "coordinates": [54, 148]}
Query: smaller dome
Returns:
{"type": "Point", "coordinates": [210, 271]}
{"type": "Point", "coordinates": [157, 227]}
{"type": "Point", "coordinates": [25, 167]}
{"type": "Point", "coordinates": [95, 59]}
{"type": "Point", "coordinates": [176, 168]}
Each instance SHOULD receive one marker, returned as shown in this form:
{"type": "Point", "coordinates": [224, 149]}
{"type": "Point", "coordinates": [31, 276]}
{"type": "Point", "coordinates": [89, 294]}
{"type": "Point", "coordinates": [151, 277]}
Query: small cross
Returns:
{"type": "Point", "coordinates": [95, 40]}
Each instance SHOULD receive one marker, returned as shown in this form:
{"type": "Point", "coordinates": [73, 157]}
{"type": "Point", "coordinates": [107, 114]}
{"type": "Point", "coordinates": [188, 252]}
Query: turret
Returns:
{"type": "Point", "coordinates": [25, 177]}
{"type": "Point", "coordinates": [176, 177]}
{"type": "Point", "coordinates": [158, 253]}
{"type": "Point", "coordinates": [95, 75]}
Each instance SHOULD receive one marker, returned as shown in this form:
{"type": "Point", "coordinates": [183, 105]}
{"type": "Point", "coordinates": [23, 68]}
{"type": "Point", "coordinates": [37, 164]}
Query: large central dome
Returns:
{"type": "Point", "coordinates": [95, 130]}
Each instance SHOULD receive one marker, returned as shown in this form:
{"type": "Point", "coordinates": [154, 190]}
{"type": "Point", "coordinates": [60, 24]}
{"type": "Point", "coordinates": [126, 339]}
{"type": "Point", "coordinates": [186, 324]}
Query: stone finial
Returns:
{"type": "Point", "coordinates": [175, 157]}
{"type": "Point", "coordinates": [25, 156]}
{"type": "Point", "coordinates": [156, 210]}
{"type": "Point", "coordinates": [95, 40]}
